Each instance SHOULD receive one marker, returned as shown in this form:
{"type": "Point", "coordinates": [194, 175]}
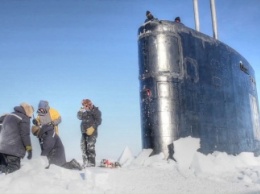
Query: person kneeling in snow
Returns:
{"type": "Point", "coordinates": [15, 138]}
{"type": "Point", "coordinates": [52, 147]}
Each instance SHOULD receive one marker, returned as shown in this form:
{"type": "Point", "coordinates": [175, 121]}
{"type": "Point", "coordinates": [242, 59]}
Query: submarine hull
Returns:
{"type": "Point", "coordinates": [194, 85]}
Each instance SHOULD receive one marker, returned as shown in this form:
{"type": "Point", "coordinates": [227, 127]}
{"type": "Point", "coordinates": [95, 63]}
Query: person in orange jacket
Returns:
{"type": "Point", "coordinates": [47, 116]}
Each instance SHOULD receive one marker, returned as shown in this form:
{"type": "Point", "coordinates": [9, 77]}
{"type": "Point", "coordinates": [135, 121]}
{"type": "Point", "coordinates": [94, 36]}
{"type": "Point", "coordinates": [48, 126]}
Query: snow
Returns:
{"type": "Point", "coordinates": [192, 172]}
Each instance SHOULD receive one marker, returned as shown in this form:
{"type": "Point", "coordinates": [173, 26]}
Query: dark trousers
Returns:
{"type": "Point", "coordinates": [9, 163]}
{"type": "Point", "coordinates": [88, 148]}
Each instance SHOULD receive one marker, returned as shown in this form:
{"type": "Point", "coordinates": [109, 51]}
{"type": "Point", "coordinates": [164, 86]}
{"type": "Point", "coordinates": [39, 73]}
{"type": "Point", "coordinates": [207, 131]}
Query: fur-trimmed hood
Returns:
{"type": "Point", "coordinates": [28, 109]}
{"type": "Point", "coordinates": [25, 108]}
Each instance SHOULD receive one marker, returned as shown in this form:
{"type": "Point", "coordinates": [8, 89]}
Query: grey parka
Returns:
{"type": "Point", "coordinates": [15, 133]}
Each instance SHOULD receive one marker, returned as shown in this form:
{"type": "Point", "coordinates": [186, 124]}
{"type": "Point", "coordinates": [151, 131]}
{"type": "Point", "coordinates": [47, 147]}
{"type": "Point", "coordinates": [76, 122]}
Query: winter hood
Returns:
{"type": "Point", "coordinates": [28, 109]}
{"type": "Point", "coordinates": [44, 105]}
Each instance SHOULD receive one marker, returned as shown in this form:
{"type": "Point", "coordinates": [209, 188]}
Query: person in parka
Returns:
{"type": "Point", "coordinates": [47, 115]}
{"type": "Point", "coordinates": [90, 117]}
{"type": "Point", "coordinates": [149, 16]}
{"type": "Point", "coordinates": [52, 147]}
{"type": "Point", "coordinates": [15, 138]}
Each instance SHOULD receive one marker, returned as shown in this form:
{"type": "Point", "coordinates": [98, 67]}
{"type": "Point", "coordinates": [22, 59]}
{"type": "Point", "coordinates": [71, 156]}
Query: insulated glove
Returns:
{"type": "Point", "coordinates": [82, 109]}
{"type": "Point", "coordinates": [29, 152]}
{"type": "Point", "coordinates": [90, 130]}
{"type": "Point", "coordinates": [35, 130]}
{"type": "Point", "coordinates": [29, 155]}
{"type": "Point", "coordinates": [35, 122]}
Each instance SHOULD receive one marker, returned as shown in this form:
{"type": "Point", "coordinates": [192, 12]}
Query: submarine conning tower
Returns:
{"type": "Point", "coordinates": [194, 85]}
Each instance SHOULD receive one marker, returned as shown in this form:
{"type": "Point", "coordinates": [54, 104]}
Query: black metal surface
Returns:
{"type": "Point", "coordinates": [194, 85]}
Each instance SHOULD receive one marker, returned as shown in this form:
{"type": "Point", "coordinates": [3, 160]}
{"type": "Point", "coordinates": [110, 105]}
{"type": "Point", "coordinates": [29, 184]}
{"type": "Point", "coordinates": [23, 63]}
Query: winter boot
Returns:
{"type": "Point", "coordinates": [90, 165]}
{"type": "Point", "coordinates": [85, 161]}
{"type": "Point", "coordinates": [75, 164]}
{"type": "Point", "coordinates": [91, 162]}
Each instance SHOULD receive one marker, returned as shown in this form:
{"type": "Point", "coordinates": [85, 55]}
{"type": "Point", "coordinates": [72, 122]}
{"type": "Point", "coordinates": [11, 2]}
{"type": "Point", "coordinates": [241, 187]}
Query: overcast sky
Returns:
{"type": "Point", "coordinates": [66, 50]}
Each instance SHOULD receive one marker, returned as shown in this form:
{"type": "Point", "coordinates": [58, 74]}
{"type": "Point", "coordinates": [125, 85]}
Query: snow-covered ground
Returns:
{"type": "Point", "coordinates": [192, 173]}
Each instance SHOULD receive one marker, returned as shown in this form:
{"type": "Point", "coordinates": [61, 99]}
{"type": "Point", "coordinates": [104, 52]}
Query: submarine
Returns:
{"type": "Point", "coordinates": [194, 85]}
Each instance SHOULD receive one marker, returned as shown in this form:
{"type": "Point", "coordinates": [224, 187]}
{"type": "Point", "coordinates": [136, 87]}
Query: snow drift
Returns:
{"type": "Point", "coordinates": [192, 172]}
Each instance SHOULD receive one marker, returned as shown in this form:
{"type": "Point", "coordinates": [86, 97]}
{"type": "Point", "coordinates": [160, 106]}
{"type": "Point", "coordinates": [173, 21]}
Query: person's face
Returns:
{"type": "Point", "coordinates": [88, 107]}
{"type": "Point", "coordinates": [149, 16]}
{"type": "Point", "coordinates": [41, 110]}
